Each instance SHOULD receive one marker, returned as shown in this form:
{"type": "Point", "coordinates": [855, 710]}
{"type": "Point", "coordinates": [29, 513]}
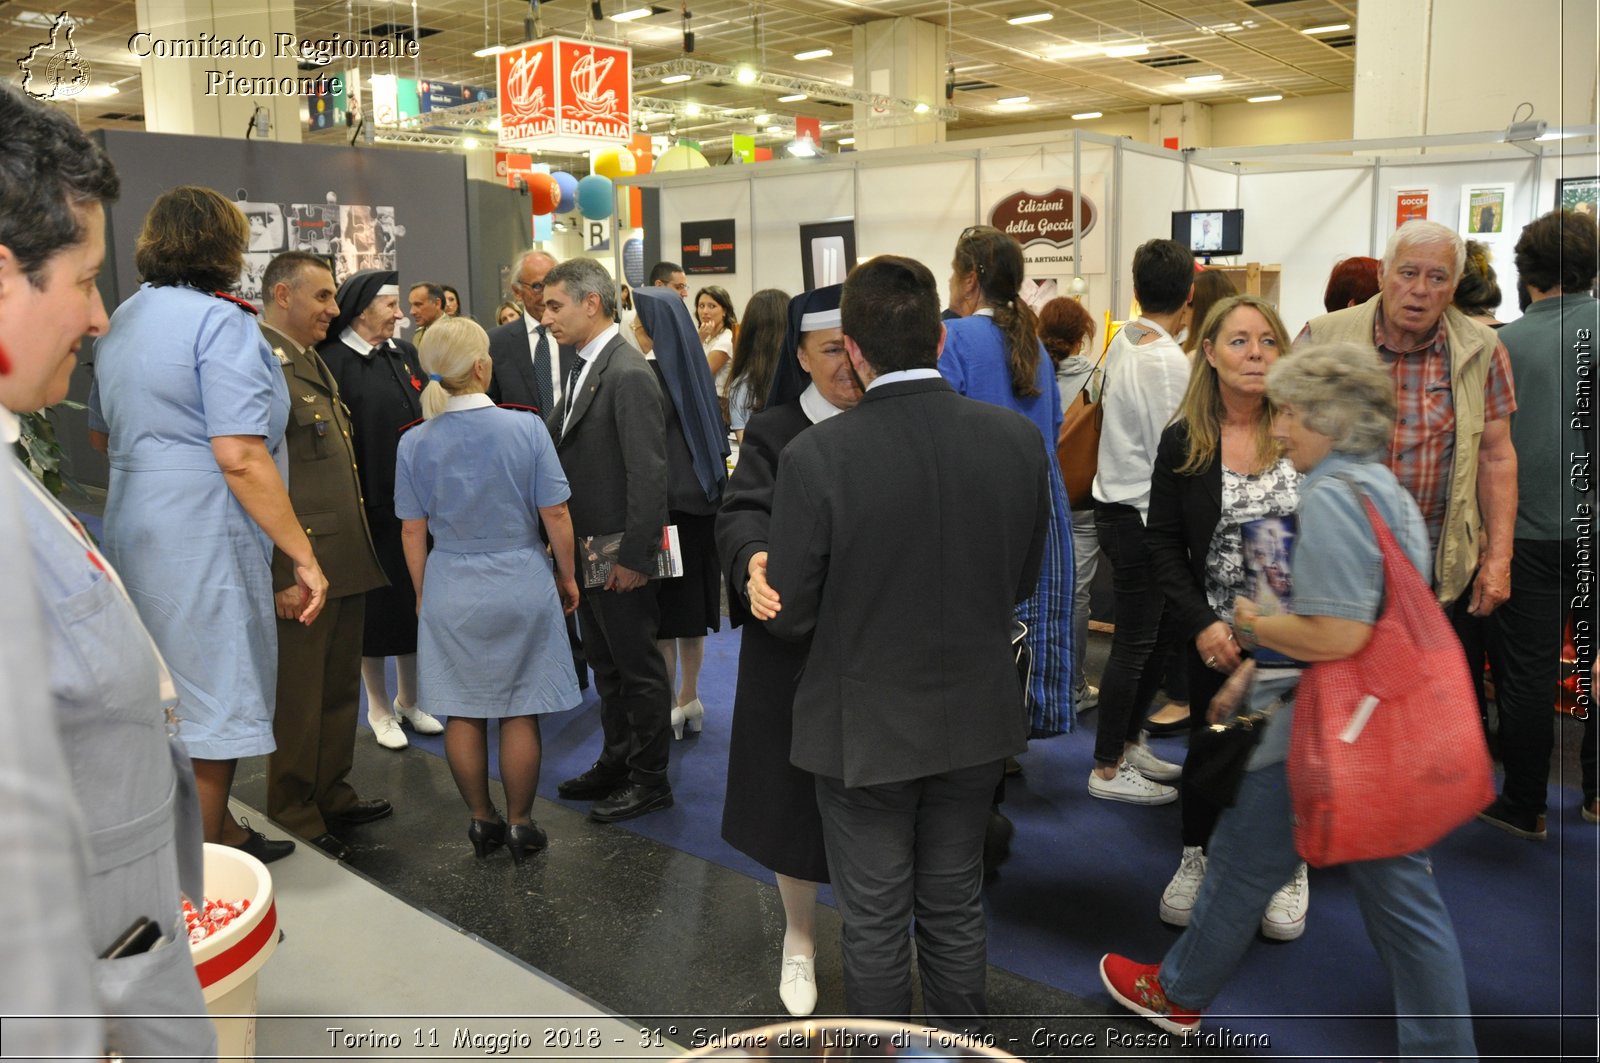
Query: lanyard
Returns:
{"type": "Point", "coordinates": [169, 689]}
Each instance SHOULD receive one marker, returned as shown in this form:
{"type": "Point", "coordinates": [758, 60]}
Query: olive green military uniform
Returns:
{"type": "Point", "coordinates": [319, 667]}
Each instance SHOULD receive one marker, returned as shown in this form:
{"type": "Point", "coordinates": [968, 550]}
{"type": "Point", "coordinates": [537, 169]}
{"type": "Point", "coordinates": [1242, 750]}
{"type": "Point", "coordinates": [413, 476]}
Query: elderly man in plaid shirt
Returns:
{"type": "Point", "coordinates": [1452, 437]}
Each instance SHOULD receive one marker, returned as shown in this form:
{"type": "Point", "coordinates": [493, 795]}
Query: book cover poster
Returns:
{"type": "Point", "coordinates": [1269, 582]}
{"type": "Point", "coordinates": [1410, 204]}
{"type": "Point", "coordinates": [1483, 209]}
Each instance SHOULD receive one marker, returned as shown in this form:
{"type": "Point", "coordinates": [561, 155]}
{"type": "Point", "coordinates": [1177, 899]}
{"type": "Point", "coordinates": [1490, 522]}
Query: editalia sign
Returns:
{"type": "Point", "coordinates": [562, 94]}
{"type": "Point", "coordinates": [1044, 219]}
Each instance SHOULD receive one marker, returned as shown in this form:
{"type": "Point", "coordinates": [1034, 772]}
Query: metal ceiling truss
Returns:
{"type": "Point", "coordinates": [822, 90]}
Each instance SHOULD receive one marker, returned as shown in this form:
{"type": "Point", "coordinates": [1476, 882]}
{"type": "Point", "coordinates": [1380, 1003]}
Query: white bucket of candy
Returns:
{"type": "Point", "coordinates": [230, 938]}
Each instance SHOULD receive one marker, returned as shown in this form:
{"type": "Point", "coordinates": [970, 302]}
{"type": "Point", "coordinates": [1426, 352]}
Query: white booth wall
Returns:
{"type": "Point", "coordinates": [1303, 213]}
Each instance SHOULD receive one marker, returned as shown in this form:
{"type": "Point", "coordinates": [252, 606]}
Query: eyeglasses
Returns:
{"type": "Point", "coordinates": [536, 286]}
{"type": "Point", "coordinates": [971, 231]}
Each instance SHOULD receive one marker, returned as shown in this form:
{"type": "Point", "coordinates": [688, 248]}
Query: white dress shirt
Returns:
{"type": "Point", "coordinates": [1143, 387]}
{"type": "Point", "coordinates": [904, 374]}
{"type": "Point", "coordinates": [588, 353]}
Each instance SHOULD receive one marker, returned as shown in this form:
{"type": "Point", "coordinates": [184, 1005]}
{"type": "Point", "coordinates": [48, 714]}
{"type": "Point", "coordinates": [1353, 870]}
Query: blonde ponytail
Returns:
{"type": "Point", "coordinates": [450, 349]}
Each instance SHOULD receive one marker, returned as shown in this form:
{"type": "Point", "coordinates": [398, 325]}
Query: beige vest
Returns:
{"type": "Point", "coordinates": [1470, 346]}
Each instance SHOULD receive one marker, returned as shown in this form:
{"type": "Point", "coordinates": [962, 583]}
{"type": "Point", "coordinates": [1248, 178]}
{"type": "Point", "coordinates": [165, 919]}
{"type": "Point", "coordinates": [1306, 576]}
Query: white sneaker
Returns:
{"type": "Point", "coordinates": [1087, 697]}
{"type": "Point", "coordinates": [1285, 918]}
{"type": "Point", "coordinates": [1130, 786]}
{"type": "Point", "coordinates": [1149, 765]}
{"type": "Point", "coordinates": [1177, 900]}
{"type": "Point", "coordinates": [387, 731]}
{"type": "Point", "coordinates": [421, 722]}
{"type": "Point", "coordinates": [797, 984]}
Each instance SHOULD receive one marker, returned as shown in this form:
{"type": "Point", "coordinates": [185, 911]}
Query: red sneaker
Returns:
{"type": "Point", "coordinates": [1136, 987]}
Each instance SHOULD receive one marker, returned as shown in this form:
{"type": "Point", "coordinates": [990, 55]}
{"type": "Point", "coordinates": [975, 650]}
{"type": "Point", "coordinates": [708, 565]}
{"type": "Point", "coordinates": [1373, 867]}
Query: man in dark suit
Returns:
{"type": "Point", "coordinates": [610, 433]}
{"type": "Point", "coordinates": [319, 667]}
{"type": "Point", "coordinates": [530, 368]}
{"type": "Point", "coordinates": [923, 514]}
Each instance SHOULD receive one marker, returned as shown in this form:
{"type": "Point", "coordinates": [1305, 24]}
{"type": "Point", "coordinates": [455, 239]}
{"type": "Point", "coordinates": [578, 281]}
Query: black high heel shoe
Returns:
{"type": "Point", "coordinates": [486, 835]}
{"type": "Point", "coordinates": [523, 838]}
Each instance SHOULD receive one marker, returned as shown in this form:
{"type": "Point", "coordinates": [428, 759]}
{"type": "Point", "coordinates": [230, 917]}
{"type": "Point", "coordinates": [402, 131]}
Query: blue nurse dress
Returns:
{"type": "Point", "coordinates": [491, 639]}
{"type": "Point", "coordinates": [176, 368]}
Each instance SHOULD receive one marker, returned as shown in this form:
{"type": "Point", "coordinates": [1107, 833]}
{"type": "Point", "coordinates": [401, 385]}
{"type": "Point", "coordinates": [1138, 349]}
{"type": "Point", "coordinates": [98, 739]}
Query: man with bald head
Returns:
{"type": "Point", "coordinates": [530, 367]}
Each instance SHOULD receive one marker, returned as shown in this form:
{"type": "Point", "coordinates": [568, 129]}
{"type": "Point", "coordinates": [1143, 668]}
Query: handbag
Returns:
{"type": "Point", "coordinates": [1078, 445]}
{"type": "Point", "coordinates": [1220, 753]}
{"type": "Point", "coordinates": [1023, 654]}
{"type": "Point", "coordinates": [1387, 754]}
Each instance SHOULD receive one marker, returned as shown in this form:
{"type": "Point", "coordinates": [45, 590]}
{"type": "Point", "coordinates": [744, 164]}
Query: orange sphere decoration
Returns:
{"type": "Point", "coordinates": [545, 192]}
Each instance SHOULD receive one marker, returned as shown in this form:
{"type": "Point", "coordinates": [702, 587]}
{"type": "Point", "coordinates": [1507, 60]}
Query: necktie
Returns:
{"type": "Point", "coordinates": [572, 389]}
{"type": "Point", "coordinates": [543, 388]}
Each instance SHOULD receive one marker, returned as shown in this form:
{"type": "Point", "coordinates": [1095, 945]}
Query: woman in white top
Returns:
{"type": "Point", "coordinates": [1146, 376]}
{"type": "Point", "coordinates": [713, 308]}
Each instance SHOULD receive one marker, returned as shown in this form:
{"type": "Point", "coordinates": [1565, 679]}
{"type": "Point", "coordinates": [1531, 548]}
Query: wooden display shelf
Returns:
{"type": "Point", "coordinates": [1252, 278]}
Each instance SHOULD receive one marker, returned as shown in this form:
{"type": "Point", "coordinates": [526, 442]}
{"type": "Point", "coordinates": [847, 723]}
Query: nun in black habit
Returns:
{"type": "Point", "coordinates": [770, 812]}
{"type": "Point", "coordinates": [697, 469]}
{"type": "Point", "coordinates": [380, 381]}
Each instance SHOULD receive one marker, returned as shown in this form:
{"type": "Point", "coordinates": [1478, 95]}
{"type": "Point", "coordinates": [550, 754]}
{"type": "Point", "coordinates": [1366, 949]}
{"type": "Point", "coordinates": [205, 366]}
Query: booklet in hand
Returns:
{"type": "Point", "coordinates": [1268, 551]}
{"type": "Point", "coordinates": [597, 553]}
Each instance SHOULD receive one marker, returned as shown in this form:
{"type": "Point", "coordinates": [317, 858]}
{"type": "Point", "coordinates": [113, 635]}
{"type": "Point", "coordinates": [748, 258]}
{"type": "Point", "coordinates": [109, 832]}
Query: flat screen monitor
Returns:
{"type": "Point", "coordinates": [1209, 232]}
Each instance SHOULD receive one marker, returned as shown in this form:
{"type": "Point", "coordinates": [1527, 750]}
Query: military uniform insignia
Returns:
{"type": "Point", "coordinates": [283, 359]}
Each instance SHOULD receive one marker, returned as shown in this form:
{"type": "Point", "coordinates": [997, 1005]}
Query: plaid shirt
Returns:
{"type": "Point", "coordinates": [1422, 450]}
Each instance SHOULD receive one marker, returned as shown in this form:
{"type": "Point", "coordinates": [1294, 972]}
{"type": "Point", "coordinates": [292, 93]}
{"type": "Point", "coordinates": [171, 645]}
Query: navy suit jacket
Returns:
{"type": "Point", "coordinates": [512, 355]}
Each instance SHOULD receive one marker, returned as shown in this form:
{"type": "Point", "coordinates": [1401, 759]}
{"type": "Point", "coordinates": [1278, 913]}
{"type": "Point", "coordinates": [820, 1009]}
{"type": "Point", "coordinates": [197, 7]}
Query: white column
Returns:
{"type": "Point", "coordinates": [1462, 66]}
{"type": "Point", "coordinates": [193, 95]}
{"type": "Point", "coordinates": [900, 58]}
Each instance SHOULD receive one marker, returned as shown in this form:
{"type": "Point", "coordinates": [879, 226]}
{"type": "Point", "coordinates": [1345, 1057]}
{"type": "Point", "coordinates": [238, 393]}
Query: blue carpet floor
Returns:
{"type": "Point", "coordinates": [1086, 875]}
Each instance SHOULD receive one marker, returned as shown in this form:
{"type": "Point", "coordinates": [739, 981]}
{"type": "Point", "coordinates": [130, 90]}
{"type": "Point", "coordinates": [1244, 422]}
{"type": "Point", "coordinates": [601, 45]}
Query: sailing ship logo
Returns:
{"type": "Point", "coordinates": [523, 93]}
{"type": "Point", "coordinates": [587, 76]}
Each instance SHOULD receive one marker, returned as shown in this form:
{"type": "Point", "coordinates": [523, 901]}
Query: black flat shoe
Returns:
{"type": "Point", "coordinates": [331, 844]}
{"type": "Point", "coordinates": [362, 812]}
{"type": "Point", "coordinates": [524, 838]}
{"type": "Point", "coordinates": [593, 784]}
{"type": "Point", "coordinates": [486, 835]}
{"type": "Point", "coordinates": [632, 800]}
{"type": "Point", "coordinates": [1167, 730]}
{"type": "Point", "coordinates": [261, 847]}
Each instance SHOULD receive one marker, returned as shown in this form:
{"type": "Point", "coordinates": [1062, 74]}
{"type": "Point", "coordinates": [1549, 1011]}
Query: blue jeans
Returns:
{"type": "Point", "coordinates": [1252, 855]}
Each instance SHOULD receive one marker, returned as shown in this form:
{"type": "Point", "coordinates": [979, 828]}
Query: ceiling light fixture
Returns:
{"type": "Point", "coordinates": [1266, 99]}
{"type": "Point", "coordinates": [1198, 78]}
{"type": "Point", "coordinates": [745, 74]}
{"type": "Point", "coordinates": [761, 119]}
{"type": "Point", "coordinates": [674, 79]}
{"type": "Point", "coordinates": [921, 108]}
{"type": "Point", "coordinates": [1025, 20]}
{"type": "Point", "coordinates": [99, 92]}
{"type": "Point", "coordinates": [633, 14]}
{"type": "Point", "coordinates": [469, 142]}
{"type": "Point", "coordinates": [815, 53]}
{"type": "Point", "coordinates": [1337, 27]}
{"type": "Point", "coordinates": [1127, 51]}
{"type": "Point", "coordinates": [847, 140]}
{"type": "Point", "coordinates": [1012, 101]}
{"type": "Point", "coordinates": [794, 97]}
{"type": "Point", "coordinates": [1084, 115]}
{"type": "Point", "coordinates": [773, 129]}
{"type": "Point", "coordinates": [485, 53]}
{"type": "Point", "coordinates": [692, 110]}
{"type": "Point", "coordinates": [803, 149]}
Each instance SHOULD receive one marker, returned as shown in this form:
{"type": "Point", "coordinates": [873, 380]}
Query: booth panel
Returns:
{"type": "Point", "coordinates": [779, 206]}
{"type": "Point", "coordinates": [1152, 188]}
{"type": "Point", "coordinates": [916, 210]}
{"type": "Point", "coordinates": [721, 201]}
{"type": "Point", "coordinates": [1305, 222]}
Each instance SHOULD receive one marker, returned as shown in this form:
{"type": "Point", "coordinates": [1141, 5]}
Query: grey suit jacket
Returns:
{"type": "Point", "coordinates": [903, 535]}
{"type": "Point", "coordinates": [513, 365]}
{"type": "Point", "coordinates": [614, 453]}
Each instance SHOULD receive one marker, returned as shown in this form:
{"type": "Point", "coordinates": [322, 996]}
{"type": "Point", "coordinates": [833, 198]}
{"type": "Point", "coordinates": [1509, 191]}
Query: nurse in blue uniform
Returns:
{"type": "Point", "coordinates": [99, 823]}
{"type": "Point", "coordinates": [491, 643]}
{"type": "Point", "coordinates": [191, 407]}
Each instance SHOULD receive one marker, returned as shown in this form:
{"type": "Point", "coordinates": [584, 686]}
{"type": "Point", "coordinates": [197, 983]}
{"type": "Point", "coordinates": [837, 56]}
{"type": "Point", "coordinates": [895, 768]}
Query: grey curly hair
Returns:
{"type": "Point", "coordinates": [1339, 390]}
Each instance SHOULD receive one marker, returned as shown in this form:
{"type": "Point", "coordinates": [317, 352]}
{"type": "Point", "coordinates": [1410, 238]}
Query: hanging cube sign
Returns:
{"type": "Point", "coordinates": [565, 95]}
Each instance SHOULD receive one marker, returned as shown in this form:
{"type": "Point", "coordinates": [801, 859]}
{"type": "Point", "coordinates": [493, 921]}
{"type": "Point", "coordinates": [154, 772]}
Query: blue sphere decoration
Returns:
{"type": "Point", "coordinates": [569, 191]}
{"type": "Point", "coordinates": [633, 261]}
{"type": "Point", "coordinates": [594, 196]}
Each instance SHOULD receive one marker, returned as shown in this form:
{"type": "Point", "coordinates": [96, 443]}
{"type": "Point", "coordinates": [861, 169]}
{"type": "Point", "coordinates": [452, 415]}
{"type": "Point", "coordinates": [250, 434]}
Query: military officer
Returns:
{"type": "Point", "coordinates": [319, 666]}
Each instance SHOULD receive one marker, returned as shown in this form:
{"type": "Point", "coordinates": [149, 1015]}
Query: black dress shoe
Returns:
{"type": "Point", "coordinates": [486, 835]}
{"type": "Point", "coordinates": [595, 783]}
{"type": "Point", "coordinates": [263, 848]}
{"type": "Point", "coordinates": [524, 838]}
{"type": "Point", "coordinates": [634, 799]}
{"type": "Point", "coordinates": [329, 843]}
{"type": "Point", "coordinates": [361, 812]}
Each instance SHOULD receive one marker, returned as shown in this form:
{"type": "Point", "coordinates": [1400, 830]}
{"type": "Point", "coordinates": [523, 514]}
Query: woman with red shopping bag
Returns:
{"type": "Point", "coordinates": [1360, 546]}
